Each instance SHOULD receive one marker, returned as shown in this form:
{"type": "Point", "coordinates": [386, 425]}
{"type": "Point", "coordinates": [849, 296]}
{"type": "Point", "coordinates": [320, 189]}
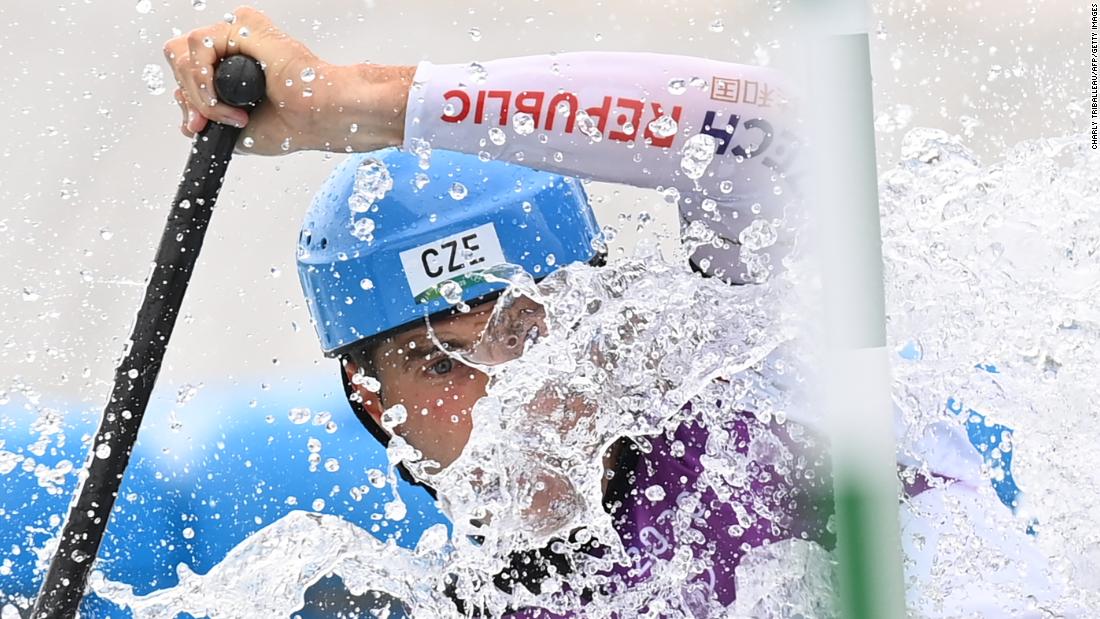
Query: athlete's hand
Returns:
{"type": "Point", "coordinates": [310, 104]}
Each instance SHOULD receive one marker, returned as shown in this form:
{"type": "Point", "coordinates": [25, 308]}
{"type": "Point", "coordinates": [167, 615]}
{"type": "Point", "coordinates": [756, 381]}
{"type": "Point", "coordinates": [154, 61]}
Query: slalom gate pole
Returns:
{"type": "Point", "coordinates": [856, 370]}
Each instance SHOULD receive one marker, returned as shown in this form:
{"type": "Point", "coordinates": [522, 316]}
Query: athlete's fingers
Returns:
{"type": "Point", "coordinates": [185, 123]}
{"type": "Point", "coordinates": [179, 57]}
{"type": "Point", "coordinates": [205, 47]}
{"type": "Point", "coordinates": [178, 53]}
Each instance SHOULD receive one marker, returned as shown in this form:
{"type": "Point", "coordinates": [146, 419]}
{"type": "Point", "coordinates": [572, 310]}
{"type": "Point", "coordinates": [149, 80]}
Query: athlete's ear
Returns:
{"type": "Point", "coordinates": [370, 400]}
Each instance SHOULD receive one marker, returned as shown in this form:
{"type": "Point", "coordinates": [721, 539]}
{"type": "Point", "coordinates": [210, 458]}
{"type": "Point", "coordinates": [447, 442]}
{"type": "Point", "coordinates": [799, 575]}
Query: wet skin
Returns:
{"type": "Point", "coordinates": [437, 390]}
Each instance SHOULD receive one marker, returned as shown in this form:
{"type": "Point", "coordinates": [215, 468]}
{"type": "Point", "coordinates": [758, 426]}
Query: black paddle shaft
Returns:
{"type": "Point", "coordinates": [239, 81]}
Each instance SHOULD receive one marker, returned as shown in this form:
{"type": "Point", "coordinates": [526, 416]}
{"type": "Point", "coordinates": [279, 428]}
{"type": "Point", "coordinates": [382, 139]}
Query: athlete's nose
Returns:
{"type": "Point", "coordinates": [508, 334]}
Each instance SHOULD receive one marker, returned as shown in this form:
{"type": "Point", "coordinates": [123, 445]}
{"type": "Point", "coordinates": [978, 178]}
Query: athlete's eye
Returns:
{"type": "Point", "coordinates": [441, 366]}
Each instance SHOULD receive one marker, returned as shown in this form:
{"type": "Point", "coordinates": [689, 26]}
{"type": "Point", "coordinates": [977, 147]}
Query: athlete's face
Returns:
{"type": "Point", "coordinates": [438, 391]}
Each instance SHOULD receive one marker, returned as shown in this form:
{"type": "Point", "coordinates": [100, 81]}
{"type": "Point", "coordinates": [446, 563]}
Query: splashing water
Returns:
{"type": "Point", "coordinates": [635, 342]}
{"type": "Point", "coordinates": [372, 182]}
{"type": "Point", "coordinates": [999, 267]}
{"type": "Point", "coordinates": [522, 123]}
{"type": "Point", "coordinates": [697, 154]}
{"type": "Point", "coordinates": [995, 265]}
{"type": "Point", "coordinates": [276, 566]}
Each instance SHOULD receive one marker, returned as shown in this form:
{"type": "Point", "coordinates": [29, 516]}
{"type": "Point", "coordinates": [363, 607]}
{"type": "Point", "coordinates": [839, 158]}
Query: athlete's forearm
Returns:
{"type": "Point", "coordinates": [366, 110]}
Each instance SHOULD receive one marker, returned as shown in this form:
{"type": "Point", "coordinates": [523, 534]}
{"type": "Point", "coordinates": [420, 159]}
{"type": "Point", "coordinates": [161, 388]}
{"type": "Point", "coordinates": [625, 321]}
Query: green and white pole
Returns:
{"type": "Point", "coordinates": [855, 366]}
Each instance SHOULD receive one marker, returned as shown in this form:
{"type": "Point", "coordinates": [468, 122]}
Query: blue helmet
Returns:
{"type": "Point", "coordinates": [387, 232]}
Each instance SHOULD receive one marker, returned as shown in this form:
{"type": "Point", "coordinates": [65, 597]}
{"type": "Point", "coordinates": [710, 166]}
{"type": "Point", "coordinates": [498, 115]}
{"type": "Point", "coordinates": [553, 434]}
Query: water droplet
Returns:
{"type": "Point", "coordinates": [103, 451]}
{"type": "Point", "coordinates": [307, 75]}
{"type": "Point", "coordinates": [522, 123]}
{"type": "Point", "coordinates": [394, 416]}
{"type": "Point", "coordinates": [894, 118]}
{"type": "Point", "coordinates": [372, 183]}
{"type": "Point", "coordinates": [244, 32]}
{"type": "Point", "coordinates": [677, 449]}
{"type": "Point", "coordinates": [188, 533]}
{"type": "Point", "coordinates": [663, 126]}
{"type": "Point", "coordinates": [725, 186]}
{"type": "Point", "coordinates": [186, 393]}
{"type": "Point", "coordinates": [133, 373]}
{"type": "Point", "coordinates": [313, 445]}
{"type": "Point", "coordinates": [144, 6]}
{"type": "Point", "coordinates": [207, 42]}
{"type": "Point", "coordinates": [432, 539]}
{"type": "Point", "coordinates": [363, 229]}
{"type": "Point", "coordinates": [716, 26]}
{"type": "Point", "coordinates": [396, 510]}
{"type": "Point", "coordinates": [248, 142]}
{"type": "Point", "coordinates": [299, 415]}
{"type": "Point", "coordinates": [655, 493]}
{"type": "Point", "coordinates": [332, 465]}
{"type": "Point", "coordinates": [475, 34]}
{"type": "Point", "coordinates": [478, 74]}
{"type": "Point", "coordinates": [366, 284]}
{"type": "Point", "coordinates": [696, 155]}
{"type": "Point", "coordinates": [153, 76]}
{"type": "Point", "coordinates": [588, 126]}
{"type": "Point", "coordinates": [371, 383]}
{"type": "Point", "coordinates": [458, 190]}
{"type": "Point", "coordinates": [550, 260]}
{"type": "Point", "coordinates": [677, 86]}
{"type": "Point", "coordinates": [759, 234]}
{"type": "Point", "coordinates": [376, 478]}
{"type": "Point", "coordinates": [318, 505]}
{"type": "Point", "coordinates": [198, 5]}
{"type": "Point", "coordinates": [451, 292]}
{"type": "Point", "coordinates": [496, 135]}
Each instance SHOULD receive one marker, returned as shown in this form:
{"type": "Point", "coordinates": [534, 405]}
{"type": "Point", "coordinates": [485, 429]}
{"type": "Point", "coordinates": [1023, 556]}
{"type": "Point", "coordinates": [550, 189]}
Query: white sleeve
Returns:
{"type": "Point", "coordinates": [705, 129]}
